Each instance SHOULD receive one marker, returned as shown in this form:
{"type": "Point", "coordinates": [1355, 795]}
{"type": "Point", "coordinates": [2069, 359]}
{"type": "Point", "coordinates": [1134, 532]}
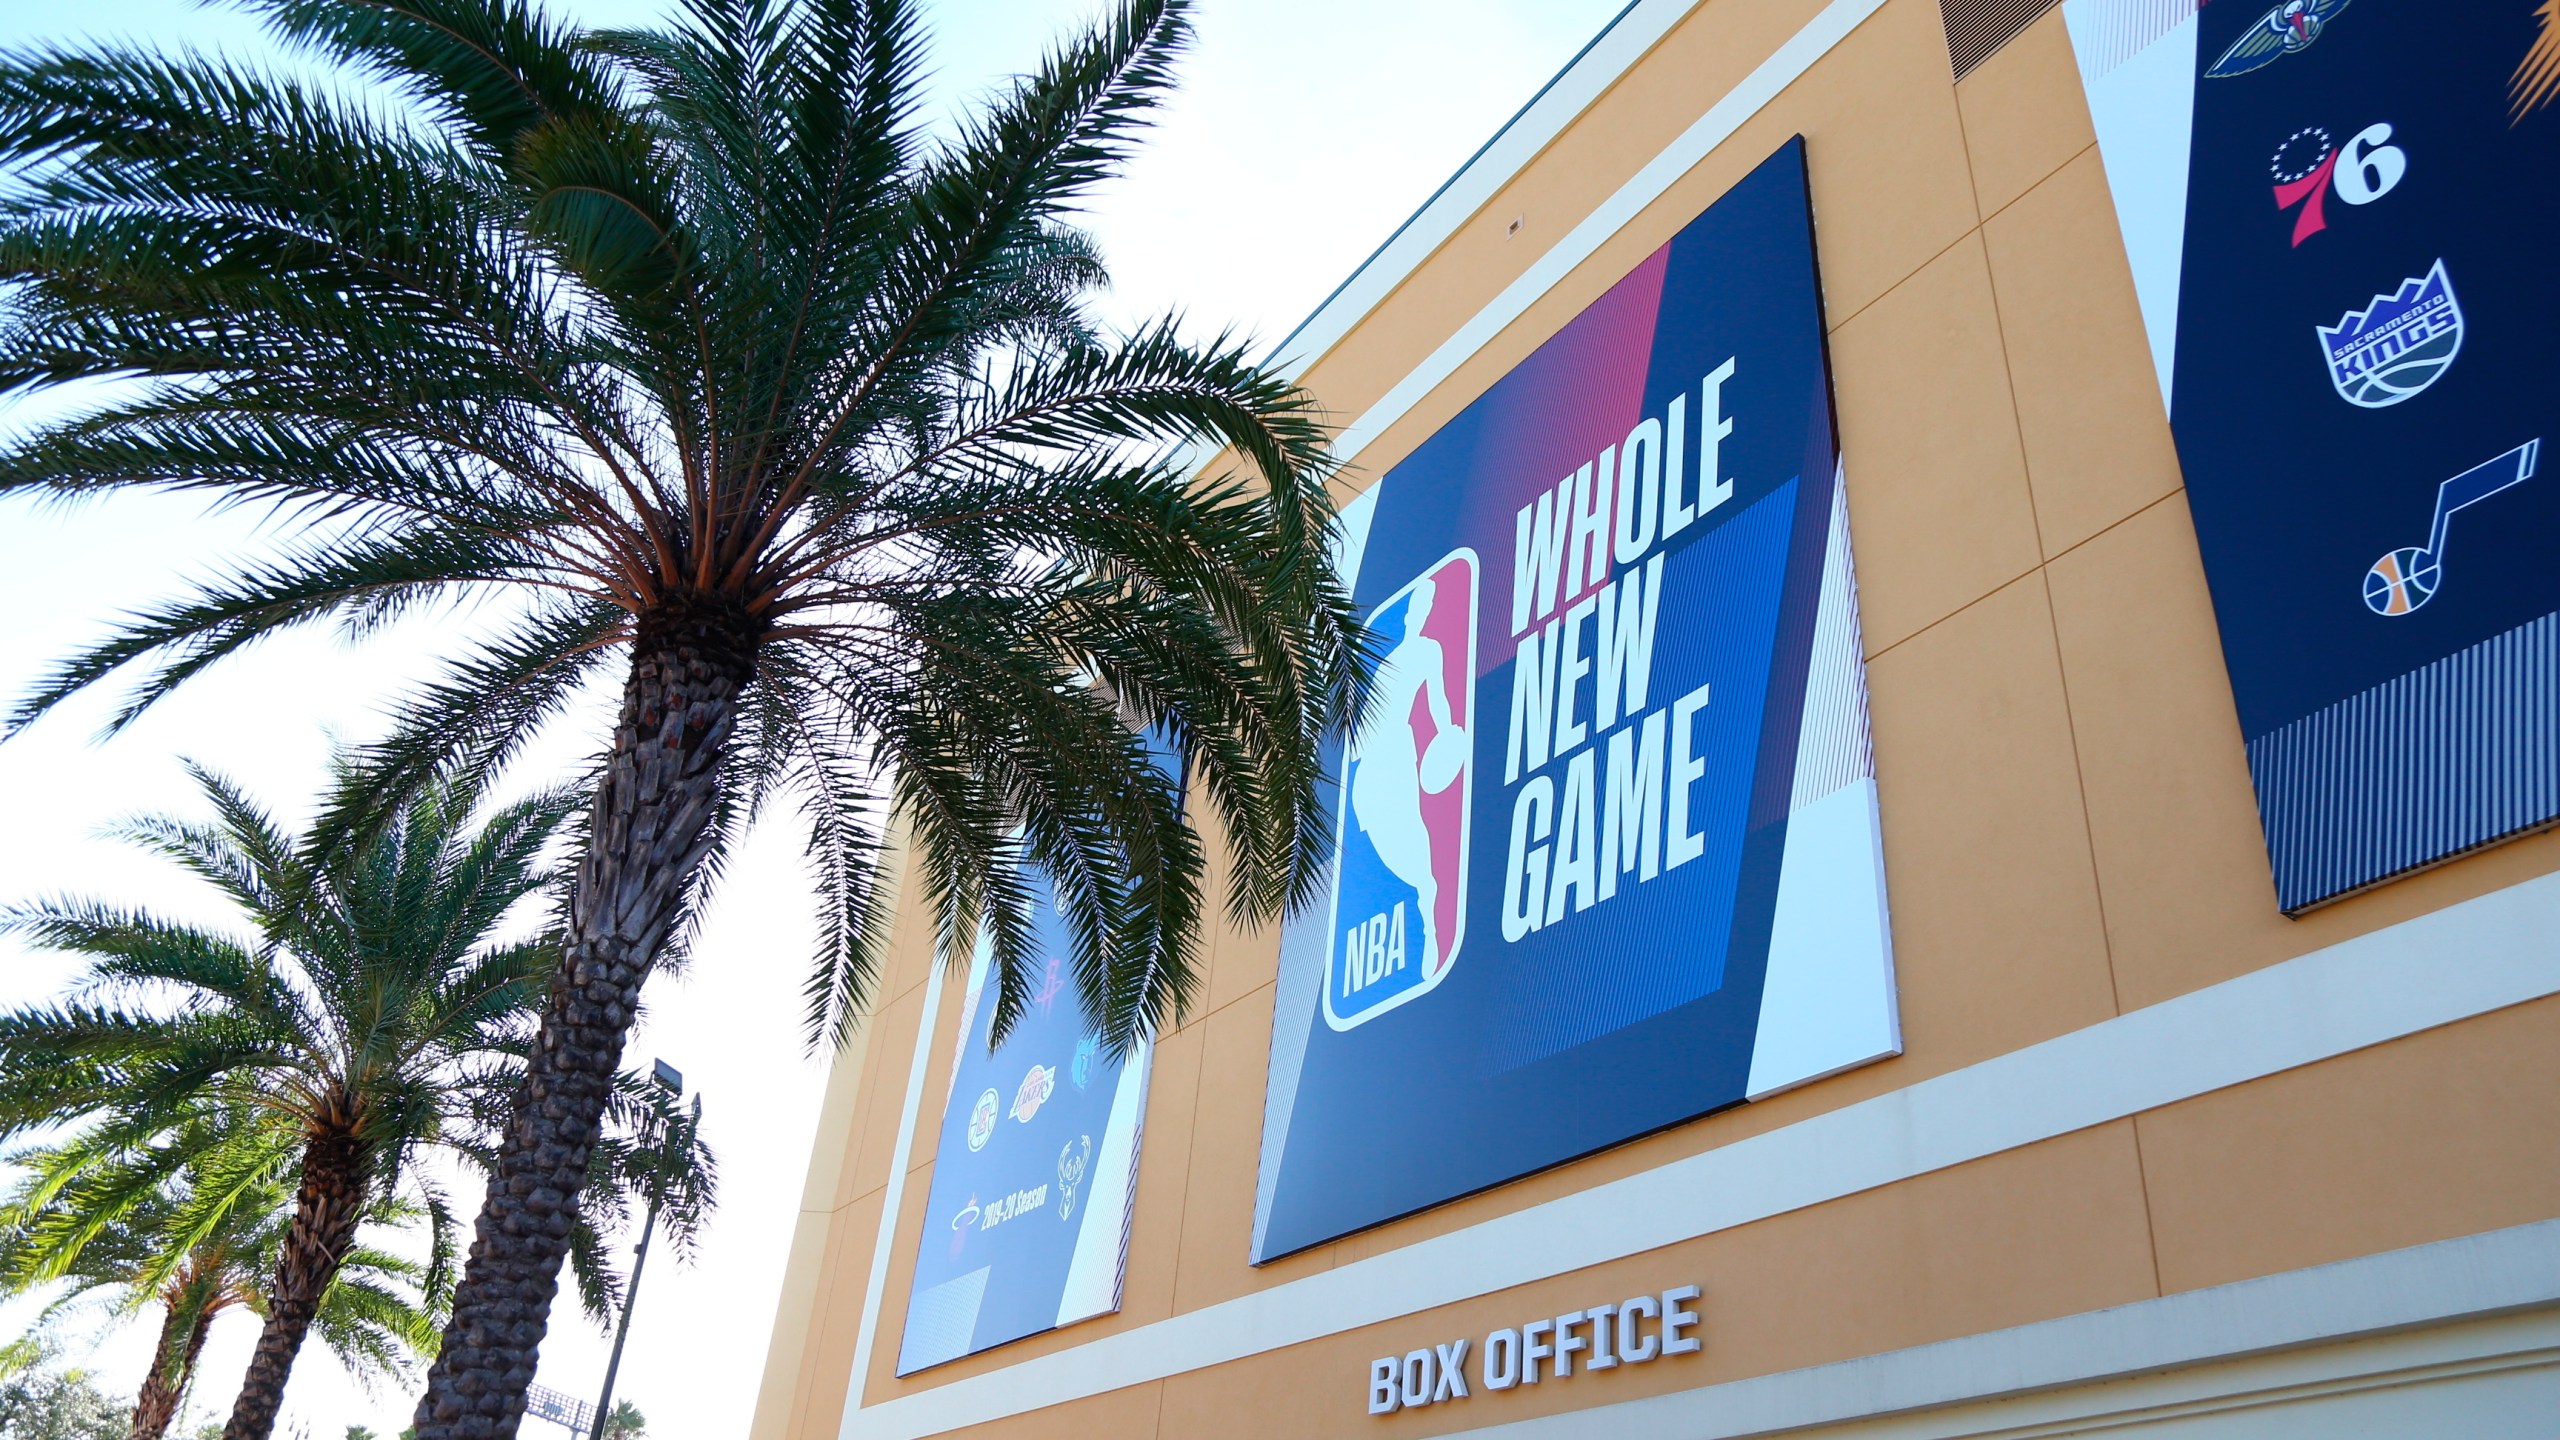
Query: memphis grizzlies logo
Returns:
{"type": "Point", "coordinates": [2288, 29]}
{"type": "Point", "coordinates": [2398, 346]}
{"type": "Point", "coordinates": [1400, 874]}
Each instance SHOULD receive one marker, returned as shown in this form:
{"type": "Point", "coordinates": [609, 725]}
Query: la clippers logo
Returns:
{"type": "Point", "coordinates": [1400, 883]}
{"type": "Point", "coordinates": [2397, 346]}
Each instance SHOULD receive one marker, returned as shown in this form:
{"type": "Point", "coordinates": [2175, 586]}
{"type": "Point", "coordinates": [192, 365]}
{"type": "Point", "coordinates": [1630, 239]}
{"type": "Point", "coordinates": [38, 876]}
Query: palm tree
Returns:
{"type": "Point", "coordinates": [91, 1223]}
{"type": "Point", "coordinates": [697, 351]}
{"type": "Point", "coordinates": [371, 1008]}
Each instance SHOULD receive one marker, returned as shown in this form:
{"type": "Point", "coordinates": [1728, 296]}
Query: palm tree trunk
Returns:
{"type": "Point", "coordinates": [648, 831]}
{"type": "Point", "coordinates": [173, 1364]}
{"type": "Point", "coordinates": [326, 1212]}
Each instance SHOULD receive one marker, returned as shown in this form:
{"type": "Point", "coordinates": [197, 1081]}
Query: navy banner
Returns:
{"type": "Point", "coordinates": [1608, 855]}
{"type": "Point", "coordinates": [1026, 1228]}
{"type": "Point", "coordinates": [2332, 211]}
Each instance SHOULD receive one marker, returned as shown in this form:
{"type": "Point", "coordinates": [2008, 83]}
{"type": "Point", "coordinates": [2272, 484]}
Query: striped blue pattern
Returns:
{"type": "Point", "coordinates": [2415, 770]}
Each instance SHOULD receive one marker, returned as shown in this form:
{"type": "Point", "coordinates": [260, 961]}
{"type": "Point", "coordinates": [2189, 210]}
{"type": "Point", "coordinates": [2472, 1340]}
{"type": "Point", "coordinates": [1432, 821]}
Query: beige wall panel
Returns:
{"type": "Point", "coordinates": [812, 1269]}
{"type": "Point", "coordinates": [831, 1180]}
{"type": "Point", "coordinates": [1885, 147]}
{"type": "Point", "coordinates": [1226, 1153]}
{"type": "Point", "coordinates": [893, 1052]}
{"type": "Point", "coordinates": [1236, 962]}
{"type": "Point", "coordinates": [1998, 940]}
{"type": "Point", "coordinates": [2097, 441]}
{"type": "Point", "coordinates": [1160, 1211]}
{"type": "Point", "coordinates": [836, 1322]}
{"type": "Point", "coordinates": [1129, 1414]}
{"type": "Point", "coordinates": [2052, 1229]}
{"type": "Point", "coordinates": [2182, 864]}
{"type": "Point", "coordinates": [1939, 510]}
{"type": "Point", "coordinates": [2024, 114]}
{"type": "Point", "coordinates": [806, 1268]}
{"type": "Point", "coordinates": [2442, 1134]}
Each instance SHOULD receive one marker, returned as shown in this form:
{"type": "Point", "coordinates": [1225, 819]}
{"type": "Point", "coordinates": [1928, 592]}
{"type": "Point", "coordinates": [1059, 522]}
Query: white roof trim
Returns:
{"type": "Point", "coordinates": [2469, 959]}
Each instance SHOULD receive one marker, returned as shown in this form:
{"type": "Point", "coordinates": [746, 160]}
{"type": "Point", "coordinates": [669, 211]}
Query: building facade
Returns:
{"type": "Point", "coordinates": [2100, 970]}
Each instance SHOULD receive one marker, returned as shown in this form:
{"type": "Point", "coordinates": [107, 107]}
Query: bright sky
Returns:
{"type": "Point", "coordinates": [1306, 131]}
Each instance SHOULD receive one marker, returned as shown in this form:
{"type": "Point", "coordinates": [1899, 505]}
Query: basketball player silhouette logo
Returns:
{"type": "Point", "coordinates": [1400, 879]}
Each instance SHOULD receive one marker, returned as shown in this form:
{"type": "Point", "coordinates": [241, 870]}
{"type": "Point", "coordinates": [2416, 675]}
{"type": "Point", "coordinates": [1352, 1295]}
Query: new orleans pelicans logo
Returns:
{"type": "Point", "coordinates": [1400, 883]}
{"type": "Point", "coordinates": [2288, 29]}
{"type": "Point", "coordinates": [2397, 346]}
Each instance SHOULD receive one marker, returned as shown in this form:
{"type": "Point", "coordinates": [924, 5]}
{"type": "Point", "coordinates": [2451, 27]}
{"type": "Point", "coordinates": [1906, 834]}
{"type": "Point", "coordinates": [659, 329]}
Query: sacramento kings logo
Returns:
{"type": "Point", "coordinates": [2400, 345]}
{"type": "Point", "coordinates": [1400, 878]}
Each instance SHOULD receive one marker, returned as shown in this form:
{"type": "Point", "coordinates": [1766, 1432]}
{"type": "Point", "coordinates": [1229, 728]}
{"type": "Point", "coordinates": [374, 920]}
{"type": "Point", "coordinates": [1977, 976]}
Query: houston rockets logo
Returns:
{"type": "Point", "coordinates": [1400, 881]}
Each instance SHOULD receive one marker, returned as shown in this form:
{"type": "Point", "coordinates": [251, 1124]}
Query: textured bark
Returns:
{"type": "Point", "coordinates": [326, 1211]}
{"type": "Point", "coordinates": [173, 1364]}
{"type": "Point", "coordinates": [650, 828]}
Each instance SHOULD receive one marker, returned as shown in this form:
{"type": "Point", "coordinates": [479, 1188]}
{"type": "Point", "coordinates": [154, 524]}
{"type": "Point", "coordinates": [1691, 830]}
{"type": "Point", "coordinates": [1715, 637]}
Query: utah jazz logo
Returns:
{"type": "Point", "coordinates": [2397, 346]}
{"type": "Point", "coordinates": [2408, 577]}
{"type": "Point", "coordinates": [2288, 29]}
{"type": "Point", "coordinates": [1400, 883]}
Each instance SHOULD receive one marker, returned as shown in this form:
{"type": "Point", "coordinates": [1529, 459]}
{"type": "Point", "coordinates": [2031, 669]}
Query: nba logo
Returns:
{"type": "Point", "coordinates": [1400, 876]}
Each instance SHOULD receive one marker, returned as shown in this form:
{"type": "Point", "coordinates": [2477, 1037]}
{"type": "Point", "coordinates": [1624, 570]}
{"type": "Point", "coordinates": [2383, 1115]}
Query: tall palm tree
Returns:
{"type": "Point", "coordinates": [698, 350]}
{"type": "Point", "coordinates": [91, 1224]}
{"type": "Point", "coordinates": [371, 1007]}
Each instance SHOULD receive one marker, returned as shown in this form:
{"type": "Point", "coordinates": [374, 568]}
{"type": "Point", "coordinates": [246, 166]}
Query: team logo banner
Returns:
{"type": "Point", "coordinates": [2333, 213]}
{"type": "Point", "coordinates": [1026, 1226]}
{"type": "Point", "coordinates": [1607, 854]}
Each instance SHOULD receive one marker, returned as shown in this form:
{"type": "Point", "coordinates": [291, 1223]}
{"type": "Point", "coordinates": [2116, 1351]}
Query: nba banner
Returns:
{"type": "Point", "coordinates": [2338, 219]}
{"type": "Point", "coordinates": [1607, 847]}
{"type": "Point", "coordinates": [1027, 1226]}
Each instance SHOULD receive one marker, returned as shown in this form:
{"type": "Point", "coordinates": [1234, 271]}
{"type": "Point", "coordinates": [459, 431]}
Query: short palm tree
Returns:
{"type": "Point", "coordinates": [192, 1228]}
{"type": "Point", "coordinates": [372, 1006]}
{"type": "Point", "coordinates": [702, 354]}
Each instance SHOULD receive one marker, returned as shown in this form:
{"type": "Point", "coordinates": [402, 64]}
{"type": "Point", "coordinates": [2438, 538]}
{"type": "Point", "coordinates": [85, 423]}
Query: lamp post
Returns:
{"type": "Point", "coordinates": [671, 1080]}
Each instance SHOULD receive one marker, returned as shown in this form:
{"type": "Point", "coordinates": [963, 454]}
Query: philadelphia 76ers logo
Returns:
{"type": "Point", "coordinates": [1400, 882]}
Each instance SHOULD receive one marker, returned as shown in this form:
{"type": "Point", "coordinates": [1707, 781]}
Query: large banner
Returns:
{"type": "Point", "coordinates": [1608, 855]}
{"type": "Point", "coordinates": [2336, 214]}
{"type": "Point", "coordinates": [1027, 1225]}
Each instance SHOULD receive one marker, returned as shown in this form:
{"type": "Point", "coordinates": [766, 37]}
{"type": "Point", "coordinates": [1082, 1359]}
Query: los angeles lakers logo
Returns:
{"type": "Point", "coordinates": [1400, 887]}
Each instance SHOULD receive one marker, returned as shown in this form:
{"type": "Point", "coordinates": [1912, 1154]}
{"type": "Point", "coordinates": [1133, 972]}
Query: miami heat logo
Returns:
{"type": "Point", "coordinates": [1400, 880]}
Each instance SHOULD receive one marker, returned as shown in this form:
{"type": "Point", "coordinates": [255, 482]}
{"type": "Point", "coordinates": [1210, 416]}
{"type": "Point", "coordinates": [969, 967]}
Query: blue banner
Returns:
{"type": "Point", "coordinates": [2348, 287]}
{"type": "Point", "coordinates": [1026, 1226]}
{"type": "Point", "coordinates": [1607, 852]}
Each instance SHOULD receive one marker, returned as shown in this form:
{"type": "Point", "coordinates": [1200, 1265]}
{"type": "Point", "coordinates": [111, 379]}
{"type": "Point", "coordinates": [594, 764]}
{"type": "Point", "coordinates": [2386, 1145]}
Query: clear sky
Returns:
{"type": "Point", "coordinates": [1306, 131]}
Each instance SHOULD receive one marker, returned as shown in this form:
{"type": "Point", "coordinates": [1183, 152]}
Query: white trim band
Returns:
{"type": "Point", "coordinates": [2498, 1273]}
{"type": "Point", "coordinates": [2469, 959]}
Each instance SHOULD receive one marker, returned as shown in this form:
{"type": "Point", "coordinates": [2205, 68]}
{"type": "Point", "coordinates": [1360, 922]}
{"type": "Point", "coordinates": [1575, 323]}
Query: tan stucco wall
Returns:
{"type": "Point", "coordinates": [2069, 827]}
